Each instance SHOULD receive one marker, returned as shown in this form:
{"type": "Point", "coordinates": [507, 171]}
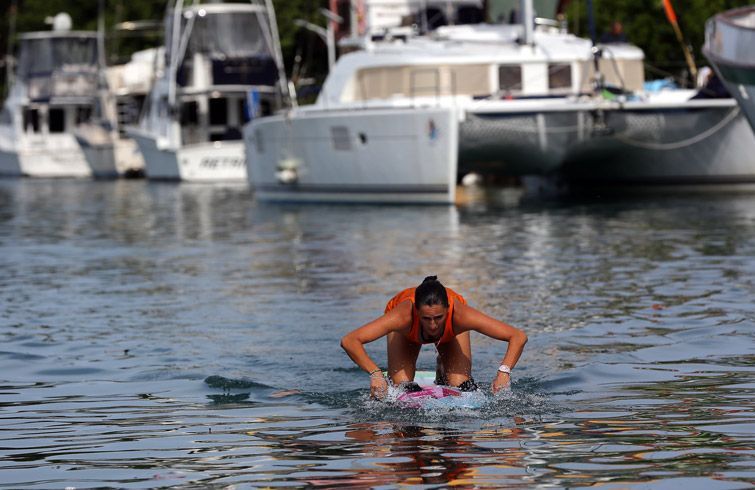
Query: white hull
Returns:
{"type": "Point", "coordinates": [206, 162]}
{"type": "Point", "coordinates": [406, 155]}
{"type": "Point", "coordinates": [108, 155]}
{"type": "Point", "coordinates": [43, 156]}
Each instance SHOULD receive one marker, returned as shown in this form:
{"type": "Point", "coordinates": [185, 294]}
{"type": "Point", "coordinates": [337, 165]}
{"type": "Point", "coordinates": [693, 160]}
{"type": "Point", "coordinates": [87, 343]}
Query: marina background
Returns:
{"type": "Point", "coordinates": [644, 23]}
{"type": "Point", "coordinates": [160, 334]}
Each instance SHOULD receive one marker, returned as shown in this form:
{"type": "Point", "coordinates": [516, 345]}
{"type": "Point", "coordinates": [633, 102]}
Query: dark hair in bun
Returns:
{"type": "Point", "coordinates": [430, 292]}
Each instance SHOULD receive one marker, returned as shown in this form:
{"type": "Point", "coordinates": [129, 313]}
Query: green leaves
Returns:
{"type": "Point", "coordinates": [646, 26]}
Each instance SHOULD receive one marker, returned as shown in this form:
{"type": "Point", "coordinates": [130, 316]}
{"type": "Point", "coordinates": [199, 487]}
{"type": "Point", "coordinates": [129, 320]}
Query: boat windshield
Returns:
{"type": "Point", "coordinates": [40, 57]}
{"type": "Point", "coordinates": [228, 35]}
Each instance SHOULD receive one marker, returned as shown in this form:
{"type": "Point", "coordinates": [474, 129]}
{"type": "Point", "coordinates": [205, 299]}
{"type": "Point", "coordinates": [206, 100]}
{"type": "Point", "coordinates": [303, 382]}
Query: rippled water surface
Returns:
{"type": "Point", "coordinates": [161, 335]}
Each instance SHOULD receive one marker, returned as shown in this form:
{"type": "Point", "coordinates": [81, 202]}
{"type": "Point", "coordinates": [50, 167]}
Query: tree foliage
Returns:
{"type": "Point", "coordinates": [644, 22]}
{"type": "Point", "coordinates": [646, 25]}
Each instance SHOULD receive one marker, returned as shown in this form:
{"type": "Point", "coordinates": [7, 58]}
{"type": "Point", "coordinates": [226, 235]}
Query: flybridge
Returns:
{"type": "Point", "coordinates": [378, 18]}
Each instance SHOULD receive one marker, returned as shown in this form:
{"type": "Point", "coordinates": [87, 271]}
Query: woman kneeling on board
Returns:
{"type": "Point", "coordinates": [431, 313]}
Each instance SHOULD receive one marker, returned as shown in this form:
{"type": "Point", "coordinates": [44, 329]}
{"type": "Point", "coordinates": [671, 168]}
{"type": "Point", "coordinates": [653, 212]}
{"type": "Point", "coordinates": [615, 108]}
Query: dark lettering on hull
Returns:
{"type": "Point", "coordinates": [221, 162]}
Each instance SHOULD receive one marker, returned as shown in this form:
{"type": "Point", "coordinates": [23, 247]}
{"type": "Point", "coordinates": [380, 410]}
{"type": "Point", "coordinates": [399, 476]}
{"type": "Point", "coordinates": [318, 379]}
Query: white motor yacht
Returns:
{"type": "Point", "coordinates": [222, 63]}
{"type": "Point", "coordinates": [53, 91]}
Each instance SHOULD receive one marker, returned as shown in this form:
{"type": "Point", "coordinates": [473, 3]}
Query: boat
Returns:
{"type": "Point", "coordinates": [222, 62]}
{"type": "Point", "coordinates": [679, 138]}
{"type": "Point", "coordinates": [407, 116]}
{"type": "Point", "coordinates": [53, 92]}
{"type": "Point", "coordinates": [729, 41]}
{"type": "Point", "coordinates": [123, 89]}
{"type": "Point", "coordinates": [664, 140]}
{"type": "Point", "coordinates": [109, 151]}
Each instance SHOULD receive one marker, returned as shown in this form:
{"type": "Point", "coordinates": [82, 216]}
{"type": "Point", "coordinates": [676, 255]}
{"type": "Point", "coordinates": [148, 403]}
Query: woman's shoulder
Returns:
{"type": "Point", "coordinates": [402, 314]}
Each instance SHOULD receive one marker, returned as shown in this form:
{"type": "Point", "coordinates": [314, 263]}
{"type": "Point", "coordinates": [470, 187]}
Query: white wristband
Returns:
{"type": "Point", "coordinates": [504, 369]}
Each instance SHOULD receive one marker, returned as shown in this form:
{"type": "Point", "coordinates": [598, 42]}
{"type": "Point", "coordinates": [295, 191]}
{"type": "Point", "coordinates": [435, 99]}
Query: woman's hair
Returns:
{"type": "Point", "coordinates": [430, 292]}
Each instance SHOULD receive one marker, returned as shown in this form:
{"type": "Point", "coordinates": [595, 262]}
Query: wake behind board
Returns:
{"type": "Point", "coordinates": [437, 396]}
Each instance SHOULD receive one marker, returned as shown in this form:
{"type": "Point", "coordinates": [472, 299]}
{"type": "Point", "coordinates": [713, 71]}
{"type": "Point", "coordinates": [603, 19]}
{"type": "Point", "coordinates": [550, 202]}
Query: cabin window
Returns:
{"type": "Point", "coordinates": [471, 80]}
{"type": "Point", "coordinates": [189, 113]}
{"type": "Point", "coordinates": [218, 112]}
{"type": "Point", "coordinates": [425, 82]}
{"type": "Point", "coordinates": [6, 117]}
{"type": "Point", "coordinates": [190, 131]}
{"type": "Point", "coordinates": [559, 76]}
{"type": "Point", "coordinates": [56, 120]}
{"type": "Point", "coordinates": [510, 78]}
{"type": "Point", "coordinates": [31, 120]}
{"type": "Point", "coordinates": [83, 114]}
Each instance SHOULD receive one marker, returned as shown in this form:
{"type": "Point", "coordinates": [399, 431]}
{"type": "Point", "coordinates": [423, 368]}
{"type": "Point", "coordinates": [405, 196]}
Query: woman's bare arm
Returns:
{"type": "Point", "coordinates": [353, 342]}
{"type": "Point", "coordinates": [399, 318]}
{"type": "Point", "coordinates": [467, 318]}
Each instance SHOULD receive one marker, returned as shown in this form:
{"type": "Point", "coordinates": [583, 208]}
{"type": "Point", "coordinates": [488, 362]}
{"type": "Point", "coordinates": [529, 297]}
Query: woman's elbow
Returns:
{"type": "Point", "coordinates": [521, 338]}
{"type": "Point", "coordinates": [346, 342]}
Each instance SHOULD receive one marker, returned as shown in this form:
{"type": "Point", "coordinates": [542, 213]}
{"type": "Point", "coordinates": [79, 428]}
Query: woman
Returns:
{"type": "Point", "coordinates": [431, 314]}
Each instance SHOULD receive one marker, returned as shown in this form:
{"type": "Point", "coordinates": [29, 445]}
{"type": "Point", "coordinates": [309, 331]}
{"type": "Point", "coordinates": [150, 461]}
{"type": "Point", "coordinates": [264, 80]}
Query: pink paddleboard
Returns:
{"type": "Point", "coordinates": [417, 399]}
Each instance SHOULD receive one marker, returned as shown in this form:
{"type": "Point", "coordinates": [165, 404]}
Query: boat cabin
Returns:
{"type": "Point", "coordinates": [481, 62]}
{"type": "Point", "coordinates": [225, 53]}
{"type": "Point", "coordinates": [58, 73]}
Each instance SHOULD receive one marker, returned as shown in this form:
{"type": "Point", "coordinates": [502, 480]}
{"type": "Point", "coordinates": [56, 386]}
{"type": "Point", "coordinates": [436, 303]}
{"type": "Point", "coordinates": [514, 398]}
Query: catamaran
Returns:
{"type": "Point", "coordinates": [406, 116]}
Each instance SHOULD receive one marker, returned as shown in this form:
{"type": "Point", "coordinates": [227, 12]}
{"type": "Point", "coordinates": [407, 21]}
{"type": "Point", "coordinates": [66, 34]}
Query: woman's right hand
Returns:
{"type": "Point", "coordinates": [378, 387]}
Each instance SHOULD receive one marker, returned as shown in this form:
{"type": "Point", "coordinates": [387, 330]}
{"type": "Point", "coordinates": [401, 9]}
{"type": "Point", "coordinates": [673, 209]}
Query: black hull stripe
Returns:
{"type": "Point", "coordinates": [353, 189]}
{"type": "Point", "coordinates": [703, 180]}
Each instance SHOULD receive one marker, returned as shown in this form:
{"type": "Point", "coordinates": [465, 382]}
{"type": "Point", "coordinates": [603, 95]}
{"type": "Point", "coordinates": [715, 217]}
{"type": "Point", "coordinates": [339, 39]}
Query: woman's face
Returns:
{"type": "Point", "coordinates": [432, 319]}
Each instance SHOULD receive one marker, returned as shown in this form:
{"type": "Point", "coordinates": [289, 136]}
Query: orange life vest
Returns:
{"type": "Point", "coordinates": [415, 335]}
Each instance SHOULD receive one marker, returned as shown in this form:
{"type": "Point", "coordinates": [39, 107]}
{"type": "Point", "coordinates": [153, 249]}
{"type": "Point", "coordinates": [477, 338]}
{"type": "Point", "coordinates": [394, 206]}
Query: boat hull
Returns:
{"type": "Point", "coordinates": [730, 37]}
{"type": "Point", "coordinates": [205, 162]}
{"type": "Point", "coordinates": [391, 155]}
{"type": "Point", "coordinates": [696, 146]}
{"type": "Point", "coordinates": [110, 157]}
{"type": "Point", "coordinates": [743, 89]}
{"type": "Point", "coordinates": [41, 156]}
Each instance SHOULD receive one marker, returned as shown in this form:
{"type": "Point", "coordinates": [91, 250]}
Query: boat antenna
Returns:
{"type": "Point", "coordinates": [285, 87]}
{"type": "Point", "coordinates": [597, 53]}
{"type": "Point", "coordinates": [425, 23]}
{"type": "Point", "coordinates": [528, 22]}
{"type": "Point", "coordinates": [591, 22]}
{"type": "Point", "coordinates": [12, 15]}
{"type": "Point", "coordinates": [174, 40]}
